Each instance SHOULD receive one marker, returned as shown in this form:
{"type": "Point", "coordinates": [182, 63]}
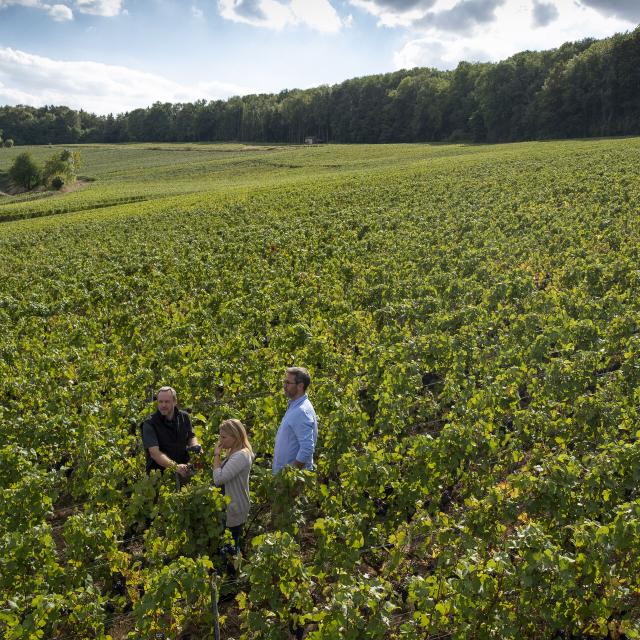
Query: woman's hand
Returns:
{"type": "Point", "coordinates": [216, 455]}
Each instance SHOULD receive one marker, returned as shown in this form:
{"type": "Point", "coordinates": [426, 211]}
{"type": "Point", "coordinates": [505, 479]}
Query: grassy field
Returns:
{"type": "Point", "coordinates": [470, 318]}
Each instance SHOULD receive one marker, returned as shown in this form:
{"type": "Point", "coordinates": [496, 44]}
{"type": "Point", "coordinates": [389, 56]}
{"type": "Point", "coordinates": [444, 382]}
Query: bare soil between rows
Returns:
{"type": "Point", "coordinates": [18, 191]}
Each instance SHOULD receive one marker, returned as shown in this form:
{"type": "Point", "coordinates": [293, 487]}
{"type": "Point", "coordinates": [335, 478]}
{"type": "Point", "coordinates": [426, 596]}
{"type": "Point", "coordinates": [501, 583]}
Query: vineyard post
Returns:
{"type": "Point", "coordinates": [214, 608]}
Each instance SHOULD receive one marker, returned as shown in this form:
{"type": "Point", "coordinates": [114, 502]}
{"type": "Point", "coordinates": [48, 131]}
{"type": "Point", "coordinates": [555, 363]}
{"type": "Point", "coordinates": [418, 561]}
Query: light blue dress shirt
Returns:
{"type": "Point", "coordinates": [297, 435]}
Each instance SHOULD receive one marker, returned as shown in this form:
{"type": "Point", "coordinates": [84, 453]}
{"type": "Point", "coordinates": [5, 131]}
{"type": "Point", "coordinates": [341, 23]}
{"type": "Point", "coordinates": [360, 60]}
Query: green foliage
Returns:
{"type": "Point", "coordinates": [25, 172]}
{"type": "Point", "coordinates": [356, 610]}
{"type": "Point", "coordinates": [28, 500]}
{"type": "Point", "coordinates": [75, 613]}
{"type": "Point", "coordinates": [92, 537]}
{"type": "Point", "coordinates": [57, 182]}
{"type": "Point", "coordinates": [140, 508]}
{"type": "Point", "coordinates": [61, 168]}
{"type": "Point", "coordinates": [339, 542]}
{"type": "Point", "coordinates": [177, 595]}
{"type": "Point", "coordinates": [28, 561]}
{"type": "Point", "coordinates": [187, 523]}
{"type": "Point", "coordinates": [470, 319]}
{"type": "Point", "coordinates": [288, 493]}
{"type": "Point", "coordinates": [280, 588]}
{"type": "Point", "coordinates": [7, 143]}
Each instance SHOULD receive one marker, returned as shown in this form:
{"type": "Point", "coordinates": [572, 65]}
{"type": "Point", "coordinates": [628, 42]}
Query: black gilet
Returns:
{"type": "Point", "coordinates": [173, 437]}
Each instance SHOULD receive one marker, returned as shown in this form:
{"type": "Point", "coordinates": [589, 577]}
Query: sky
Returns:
{"type": "Point", "coordinates": [112, 56]}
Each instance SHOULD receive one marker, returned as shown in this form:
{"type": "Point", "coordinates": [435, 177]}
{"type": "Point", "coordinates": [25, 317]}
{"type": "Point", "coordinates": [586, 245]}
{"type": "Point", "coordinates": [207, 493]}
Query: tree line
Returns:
{"type": "Point", "coordinates": [581, 89]}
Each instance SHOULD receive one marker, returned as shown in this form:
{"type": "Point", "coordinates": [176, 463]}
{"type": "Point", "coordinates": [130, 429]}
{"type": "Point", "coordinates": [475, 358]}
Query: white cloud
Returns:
{"type": "Point", "coordinates": [506, 35]}
{"type": "Point", "coordinates": [105, 8]}
{"type": "Point", "coordinates": [463, 17]}
{"type": "Point", "coordinates": [273, 14]}
{"type": "Point", "coordinates": [395, 13]}
{"type": "Point", "coordinates": [317, 14]}
{"type": "Point", "coordinates": [22, 3]}
{"type": "Point", "coordinates": [60, 12]}
{"type": "Point", "coordinates": [197, 13]}
{"type": "Point", "coordinates": [544, 13]}
{"type": "Point", "coordinates": [441, 54]}
{"type": "Point", "coordinates": [63, 12]}
{"type": "Point", "coordinates": [99, 88]}
{"type": "Point", "coordinates": [624, 9]}
{"type": "Point", "coordinates": [258, 13]}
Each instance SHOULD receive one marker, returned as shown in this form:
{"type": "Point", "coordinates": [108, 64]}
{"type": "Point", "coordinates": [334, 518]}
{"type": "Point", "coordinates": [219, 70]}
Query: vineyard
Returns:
{"type": "Point", "coordinates": [470, 316]}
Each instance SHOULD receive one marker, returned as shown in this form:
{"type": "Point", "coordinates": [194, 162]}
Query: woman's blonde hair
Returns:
{"type": "Point", "coordinates": [236, 430]}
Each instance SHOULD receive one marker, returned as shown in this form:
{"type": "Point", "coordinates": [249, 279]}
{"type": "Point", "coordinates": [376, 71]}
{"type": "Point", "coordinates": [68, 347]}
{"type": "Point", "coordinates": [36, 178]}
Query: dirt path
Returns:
{"type": "Point", "coordinates": [18, 191]}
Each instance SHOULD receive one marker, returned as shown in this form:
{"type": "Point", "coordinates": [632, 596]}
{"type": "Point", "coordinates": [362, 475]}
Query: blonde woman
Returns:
{"type": "Point", "coordinates": [232, 474]}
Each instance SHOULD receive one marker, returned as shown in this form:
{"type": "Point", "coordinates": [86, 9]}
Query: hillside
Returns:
{"type": "Point", "coordinates": [469, 316]}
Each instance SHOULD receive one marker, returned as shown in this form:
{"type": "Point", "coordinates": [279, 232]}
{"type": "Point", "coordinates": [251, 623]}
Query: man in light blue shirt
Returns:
{"type": "Point", "coordinates": [298, 432]}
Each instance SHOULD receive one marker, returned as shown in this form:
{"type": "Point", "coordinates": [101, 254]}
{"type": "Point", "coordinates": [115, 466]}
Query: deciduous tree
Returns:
{"type": "Point", "coordinates": [25, 171]}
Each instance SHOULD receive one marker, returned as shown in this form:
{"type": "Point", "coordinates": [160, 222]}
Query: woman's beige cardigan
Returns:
{"type": "Point", "coordinates": [234, 475]}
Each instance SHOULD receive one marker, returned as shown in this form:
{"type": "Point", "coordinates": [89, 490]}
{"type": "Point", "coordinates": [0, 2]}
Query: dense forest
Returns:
{"type": "Point", "coordinates": [582, 89]}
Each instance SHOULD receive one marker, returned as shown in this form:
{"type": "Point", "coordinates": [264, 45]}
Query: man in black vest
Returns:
{"type": "Point", "coordinates": [166, 435]}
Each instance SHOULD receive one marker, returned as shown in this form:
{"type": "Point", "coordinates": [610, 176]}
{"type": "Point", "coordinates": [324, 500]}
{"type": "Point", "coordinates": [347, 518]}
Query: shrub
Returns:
{"type": "Point", "coordinates": [8, 143]}
{"type": "Point", "coordinates": [25, 171]}
{"type": "Point", "coordinates": [57, 182]}
{"type": "Point", "coordinates": [64, 164]}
